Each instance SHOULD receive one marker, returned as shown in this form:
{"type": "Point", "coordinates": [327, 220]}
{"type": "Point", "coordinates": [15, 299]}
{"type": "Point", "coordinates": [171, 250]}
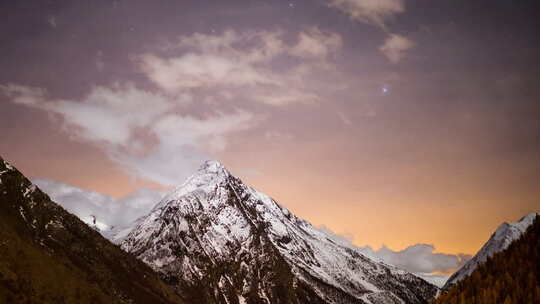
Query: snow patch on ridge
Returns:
{"type": "Point", "coordinates": [499, 241]}
{"type": "Point", "coordinates": [214, 217]}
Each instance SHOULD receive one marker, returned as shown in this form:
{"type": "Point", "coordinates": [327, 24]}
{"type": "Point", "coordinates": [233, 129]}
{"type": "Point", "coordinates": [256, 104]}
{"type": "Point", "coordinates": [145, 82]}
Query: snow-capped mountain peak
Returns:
{"type": "Point", "coordinates": [525, 222]}
{"type": "Point", "coordinates": [215, 237]}
{"type": "Point", "coordinates": [211, 174]}
{"type": "Point", "coordinates": [500, 240]}
{"type": "Point", "coordinates": [212, 166]}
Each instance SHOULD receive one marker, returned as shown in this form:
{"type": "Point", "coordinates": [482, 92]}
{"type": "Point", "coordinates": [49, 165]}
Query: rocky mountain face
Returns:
{"type": "Point", "coordinates": [499, 241]}
{"type": "Point", "coordinates": [509, 276]}
{"type": "Point", "coordinates": [218, 240]}
{"type": "Point", "coordinates": [48, 255]}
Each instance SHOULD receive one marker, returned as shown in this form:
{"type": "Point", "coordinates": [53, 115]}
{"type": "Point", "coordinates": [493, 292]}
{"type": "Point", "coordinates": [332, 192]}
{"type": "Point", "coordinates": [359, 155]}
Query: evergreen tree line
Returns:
{"type": "Point", "coordinates": [508, 277]}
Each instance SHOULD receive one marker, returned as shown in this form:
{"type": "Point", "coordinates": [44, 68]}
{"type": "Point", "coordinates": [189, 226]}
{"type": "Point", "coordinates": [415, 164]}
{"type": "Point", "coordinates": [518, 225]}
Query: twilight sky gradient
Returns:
{"type": "Point", "coordinates": [392, 122]}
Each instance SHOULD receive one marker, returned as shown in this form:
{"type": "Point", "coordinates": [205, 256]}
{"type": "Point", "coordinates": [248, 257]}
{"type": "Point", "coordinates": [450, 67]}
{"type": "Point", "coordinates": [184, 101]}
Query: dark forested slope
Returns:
{"type": "Point", "coordinates": [510, 276]}
{"type": "Point", "coordinates": [48, 255]}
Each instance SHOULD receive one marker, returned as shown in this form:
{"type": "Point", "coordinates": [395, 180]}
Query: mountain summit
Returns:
{"type": "Point", "coordinates": [218, 240]}
{"type": "Point", "coordinates": [210, 174]}
{"type": "Point", "coordinates": [509, 276]}
{"type": "Point", "coordinates": [500, 240]}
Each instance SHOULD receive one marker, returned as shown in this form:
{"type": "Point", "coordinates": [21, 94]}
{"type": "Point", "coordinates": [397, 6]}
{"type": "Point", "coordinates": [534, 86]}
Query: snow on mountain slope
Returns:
{"type": "Point", "coordinates": [499, 241]}
{"type": "Point", "coordinates": [435, 279]}
{"type": "Point", "coordinates": [220, 241]}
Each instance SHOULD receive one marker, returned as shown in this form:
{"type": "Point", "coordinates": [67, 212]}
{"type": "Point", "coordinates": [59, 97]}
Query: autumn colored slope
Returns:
{"type": "Point", "coordinates": [510, 276]}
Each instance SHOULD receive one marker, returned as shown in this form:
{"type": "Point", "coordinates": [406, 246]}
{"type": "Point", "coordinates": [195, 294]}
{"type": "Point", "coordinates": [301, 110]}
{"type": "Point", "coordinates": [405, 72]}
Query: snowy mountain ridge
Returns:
{"type": "Point", "coordinates": [499, 241]}
{"type": "Point", "coordinates": [220, 241]}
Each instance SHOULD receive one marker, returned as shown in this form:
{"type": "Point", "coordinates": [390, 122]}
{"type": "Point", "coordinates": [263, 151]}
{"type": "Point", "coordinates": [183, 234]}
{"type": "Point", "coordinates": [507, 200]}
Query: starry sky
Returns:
{"type": "Point", "coordinates": [410, 127]}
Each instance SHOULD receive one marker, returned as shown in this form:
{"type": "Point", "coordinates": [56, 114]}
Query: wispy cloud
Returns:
{"type": "Point", "coordinates": [369, 11]}
{"type": "Point", "coordinates": [395, 47]}
{"type": "Point", "coordinates": [344, 118]}
{"type": "Point", "coordinates": [51, 20]}
{"type": "Point", "coordinates": [141, 130]}
{"type": "Point", "coordinates": [106, 209]}
{"type": "Point", "coordinates": [376, 12]}
{"type": "Point", "coordinates": [315, 43]}
{"type": "Point", "coordinates": [420, 258]}
{"type": "Point", "coordinates": [215, 78]}
{"type": "Point", "coordinates": [242, 62]}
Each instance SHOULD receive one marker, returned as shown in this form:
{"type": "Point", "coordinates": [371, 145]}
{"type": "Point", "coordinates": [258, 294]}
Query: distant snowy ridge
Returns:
{"type": "Point", "coordinates": [222, 242]}
{"type": "Point", "coordinates": [435, 279]}
{"type": "Point", "coordinates": [499, 241]}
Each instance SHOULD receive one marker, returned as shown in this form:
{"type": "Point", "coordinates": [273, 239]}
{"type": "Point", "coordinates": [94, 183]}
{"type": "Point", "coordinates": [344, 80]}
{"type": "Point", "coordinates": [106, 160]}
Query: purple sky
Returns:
{"type": "Point", "coordinates": [391, 122]}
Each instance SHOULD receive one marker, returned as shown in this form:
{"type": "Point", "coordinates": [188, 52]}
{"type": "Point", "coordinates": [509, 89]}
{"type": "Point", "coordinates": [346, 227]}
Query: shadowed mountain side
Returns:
{"type": "Point", "coordinates": [509, 276]}
{"type": "Point", "coordinates": [48, 255]}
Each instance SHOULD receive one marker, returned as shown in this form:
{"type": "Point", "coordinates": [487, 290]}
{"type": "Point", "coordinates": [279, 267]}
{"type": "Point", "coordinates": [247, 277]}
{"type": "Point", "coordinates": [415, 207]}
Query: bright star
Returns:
{"type": "Point", "coordinates": [385, 90]}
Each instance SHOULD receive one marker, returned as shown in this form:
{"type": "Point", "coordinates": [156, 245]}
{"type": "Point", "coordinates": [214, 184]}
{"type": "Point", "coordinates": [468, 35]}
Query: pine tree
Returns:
{"type": "Point", "coordinates": [511, 276]}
